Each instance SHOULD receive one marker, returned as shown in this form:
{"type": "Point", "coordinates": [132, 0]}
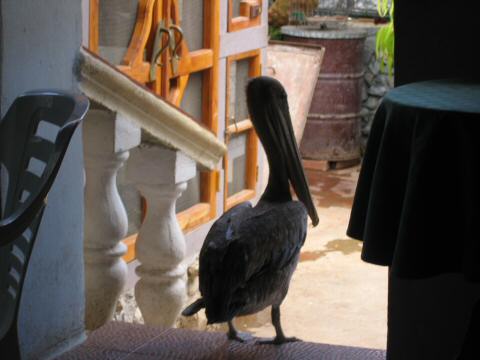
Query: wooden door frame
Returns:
{"type": "Point", "coordinates": [242, 127]}
{"type": "Point", "coordinates": [205, 60]}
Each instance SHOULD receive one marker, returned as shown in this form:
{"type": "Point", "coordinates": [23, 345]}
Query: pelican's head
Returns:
{"type": "Point", "coordinates": [269, 113]}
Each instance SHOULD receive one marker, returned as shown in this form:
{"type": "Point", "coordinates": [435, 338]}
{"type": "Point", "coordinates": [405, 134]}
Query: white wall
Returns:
{"type": "Point", "coordinates": [40, 40]}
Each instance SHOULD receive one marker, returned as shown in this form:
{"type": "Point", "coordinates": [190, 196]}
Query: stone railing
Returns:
{"type": "Point", "coordinates": [160, 173]}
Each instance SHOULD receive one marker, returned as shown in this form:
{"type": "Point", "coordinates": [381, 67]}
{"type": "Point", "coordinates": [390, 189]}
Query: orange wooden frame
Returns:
{"type": "Point", "coordinates": [242, 126]}
{"type": "Point", "coordinates": [205, 60]}
{"type": "Point", "coordinates": [133, 63]}
{"type": "Point", "coordinates": [93, 26]}
{"type": "Point", "coordinates": [250, 15]}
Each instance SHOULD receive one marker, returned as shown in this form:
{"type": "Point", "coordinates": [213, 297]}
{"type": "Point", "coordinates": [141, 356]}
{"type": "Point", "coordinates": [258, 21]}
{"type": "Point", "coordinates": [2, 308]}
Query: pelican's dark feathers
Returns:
{"type": "Point", "coordinates": [250, 253]}
{"type": "Point", "coordinates": [249, 256]}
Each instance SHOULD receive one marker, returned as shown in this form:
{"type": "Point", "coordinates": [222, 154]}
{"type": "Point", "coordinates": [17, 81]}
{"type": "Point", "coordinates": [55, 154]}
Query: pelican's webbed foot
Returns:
{"type": "Point", "coordinates": [233, 334]}
{"type": "Point", "coordinates": [280, 338]}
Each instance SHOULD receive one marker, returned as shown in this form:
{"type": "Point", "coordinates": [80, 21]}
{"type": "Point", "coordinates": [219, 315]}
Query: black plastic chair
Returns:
{"type": "Point", "coordinates": [34, 136]}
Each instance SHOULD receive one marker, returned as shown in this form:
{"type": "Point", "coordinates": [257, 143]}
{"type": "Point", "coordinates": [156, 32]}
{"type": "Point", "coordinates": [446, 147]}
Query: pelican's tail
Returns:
{"type": "Point", "coordinates": [194, 307]}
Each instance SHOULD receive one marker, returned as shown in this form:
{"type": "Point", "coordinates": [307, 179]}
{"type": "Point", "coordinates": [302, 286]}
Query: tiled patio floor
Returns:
{"type": "Point", "coordinates": [122, 341]}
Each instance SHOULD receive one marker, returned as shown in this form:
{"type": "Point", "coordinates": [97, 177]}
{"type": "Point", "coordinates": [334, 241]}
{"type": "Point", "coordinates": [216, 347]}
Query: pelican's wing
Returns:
{"type": "Point", "coordinates": [218, 242]}
{"type": "Point", "coordinates": [269, 240]}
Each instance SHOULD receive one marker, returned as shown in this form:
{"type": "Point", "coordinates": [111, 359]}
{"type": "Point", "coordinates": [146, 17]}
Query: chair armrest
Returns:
{"type": "Point", "coordinates": [16, 223]}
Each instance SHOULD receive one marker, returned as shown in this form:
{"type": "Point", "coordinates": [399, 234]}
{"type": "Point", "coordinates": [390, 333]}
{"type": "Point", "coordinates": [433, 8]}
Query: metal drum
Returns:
{"type": "Point", "coordinates": [332, 131]}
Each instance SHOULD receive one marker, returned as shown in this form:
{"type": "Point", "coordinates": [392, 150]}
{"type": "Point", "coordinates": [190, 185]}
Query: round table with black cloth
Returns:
{"type": "Point", "coordinates": [417, 203]}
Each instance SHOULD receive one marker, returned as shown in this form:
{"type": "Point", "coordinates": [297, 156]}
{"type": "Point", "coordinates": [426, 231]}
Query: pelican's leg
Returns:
{"type": "Point", "coordinates": [280, 337]}
{"type": "Point", "coordinates": [233, 334]}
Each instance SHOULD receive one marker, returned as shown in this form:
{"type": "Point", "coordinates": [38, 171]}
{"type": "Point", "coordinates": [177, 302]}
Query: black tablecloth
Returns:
{"type": "Point", "coordinates": [417, 203]}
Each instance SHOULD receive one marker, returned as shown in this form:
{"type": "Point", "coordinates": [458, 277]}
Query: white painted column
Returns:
{"type": "Point", "coordinates": [107, 138]}
{"type": "Point", "coordinates": [160, 175]}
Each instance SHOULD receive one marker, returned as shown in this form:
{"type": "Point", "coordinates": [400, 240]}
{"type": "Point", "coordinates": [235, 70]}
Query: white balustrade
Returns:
{"type": "Point", "coordinates": [107, 138]}
{"type": "Point", "coordinates": [161, 176]}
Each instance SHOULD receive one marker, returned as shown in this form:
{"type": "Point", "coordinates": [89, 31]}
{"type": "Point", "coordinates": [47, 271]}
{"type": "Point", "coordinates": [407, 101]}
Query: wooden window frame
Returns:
{"type": "Point", "coordinates": [250, 15]}
{"type": "Point", "coordinates": [208, 64]}
{"type": "Point", "coordinates": [132, 63]}
{"type": "Point", "coordinates": [241, 127]}
{"type": "Point", "coordinates": [206, 60]}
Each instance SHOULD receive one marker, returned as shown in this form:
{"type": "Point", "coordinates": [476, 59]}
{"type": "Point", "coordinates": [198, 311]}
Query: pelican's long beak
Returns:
{"type": "Point", "coordinates": [277, 117]}
{"type": "Point", "coordinates": [289, 148]}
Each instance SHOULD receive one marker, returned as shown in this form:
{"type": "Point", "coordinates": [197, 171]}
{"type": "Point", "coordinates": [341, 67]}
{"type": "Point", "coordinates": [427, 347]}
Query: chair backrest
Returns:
{"type": "Point", "coordinates": [34, 136]}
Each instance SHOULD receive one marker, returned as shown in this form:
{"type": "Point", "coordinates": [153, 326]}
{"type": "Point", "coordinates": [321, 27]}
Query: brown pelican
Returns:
{"type": "Point", "coordinates": [250, 253]}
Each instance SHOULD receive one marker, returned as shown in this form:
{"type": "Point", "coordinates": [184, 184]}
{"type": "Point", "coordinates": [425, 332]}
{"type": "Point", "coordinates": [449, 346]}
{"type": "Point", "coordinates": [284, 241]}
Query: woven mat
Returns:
{"type": "Point", "coordinates": [120, 341]}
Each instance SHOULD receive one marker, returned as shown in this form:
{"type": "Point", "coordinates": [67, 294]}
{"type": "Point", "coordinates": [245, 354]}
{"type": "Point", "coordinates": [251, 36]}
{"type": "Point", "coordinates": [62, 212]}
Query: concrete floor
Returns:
{"type": "Point", "coordinates": [334, 297]}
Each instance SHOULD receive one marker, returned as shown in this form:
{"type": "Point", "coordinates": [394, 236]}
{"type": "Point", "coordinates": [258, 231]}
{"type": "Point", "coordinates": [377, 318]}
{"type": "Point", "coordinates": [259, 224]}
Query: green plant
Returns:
{"type": "Point", "coordinates": [385, 42]}
{"type": "Point", "coordinates": [275, 33]}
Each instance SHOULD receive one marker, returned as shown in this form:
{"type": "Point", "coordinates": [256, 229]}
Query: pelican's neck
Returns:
{"type": "Point", "coordinates": [278, 187]}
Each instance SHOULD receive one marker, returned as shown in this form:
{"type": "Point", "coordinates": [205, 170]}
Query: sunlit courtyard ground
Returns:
{"type": "Point", "coordinates": [334, 296]}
